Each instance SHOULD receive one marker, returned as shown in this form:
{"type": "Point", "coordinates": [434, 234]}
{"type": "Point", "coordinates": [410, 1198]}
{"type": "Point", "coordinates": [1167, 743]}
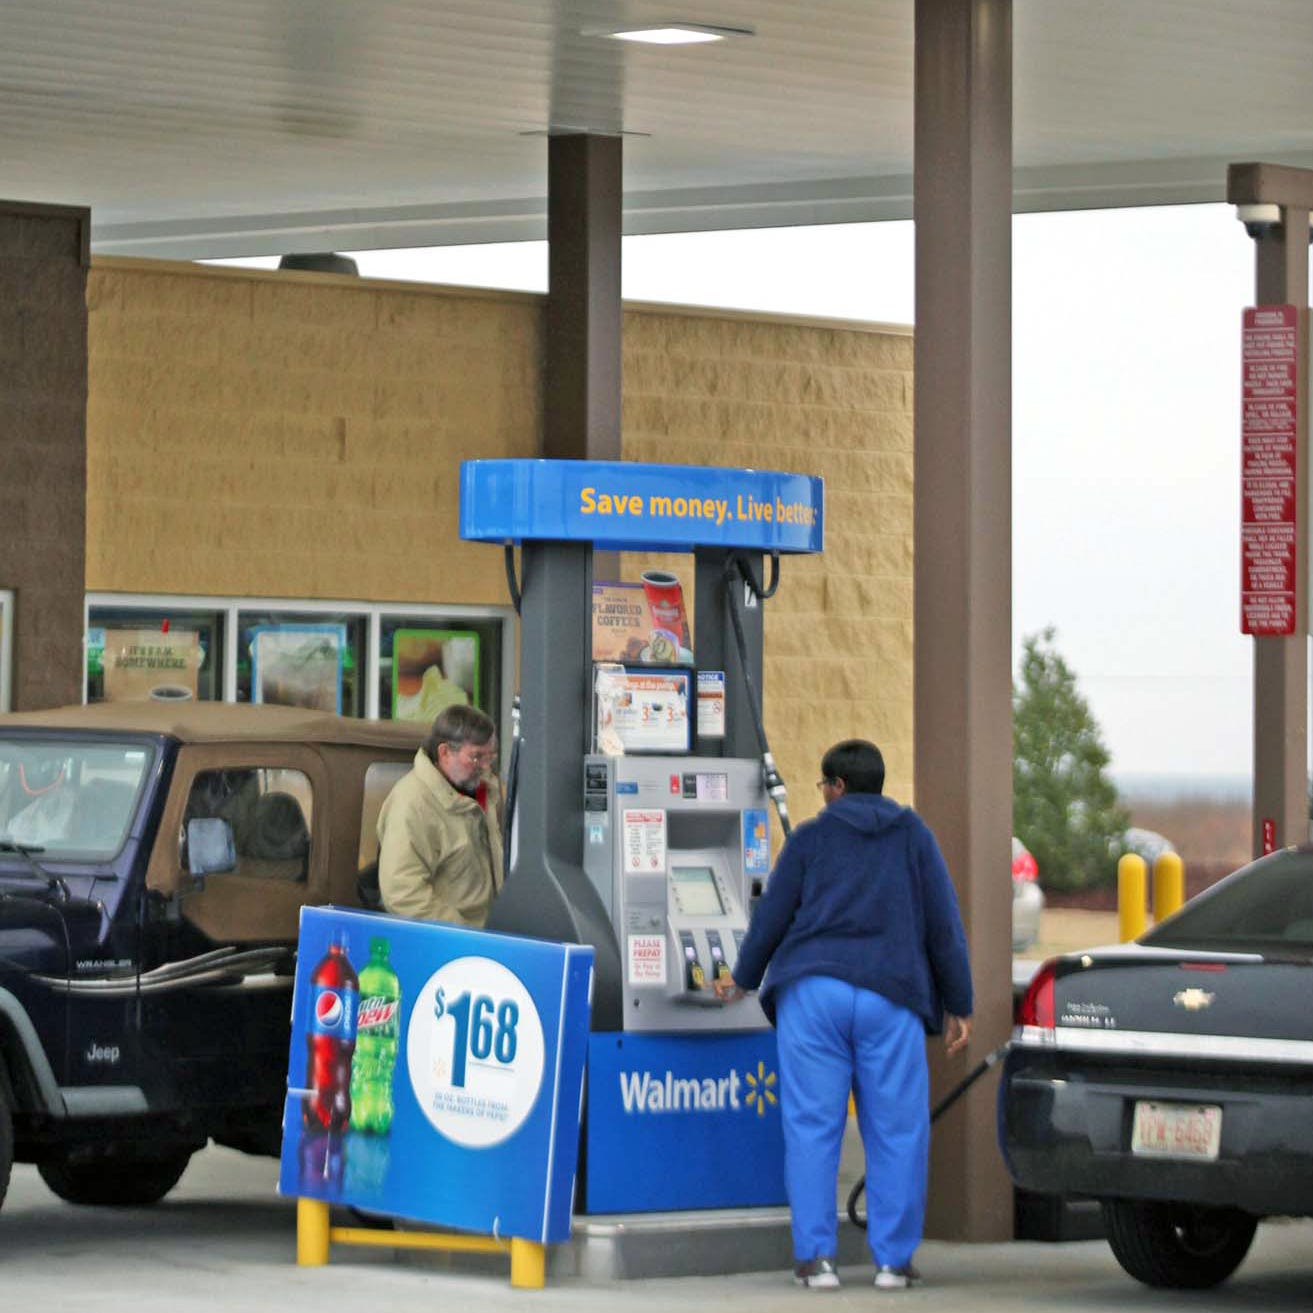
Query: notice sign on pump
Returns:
{"type": "Point", "coordinates": [644, 835]}
{"type": "Point", "coordinates": [1269, 428]}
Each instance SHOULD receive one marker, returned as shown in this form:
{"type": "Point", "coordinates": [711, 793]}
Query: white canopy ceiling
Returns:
{"type": "Point", "coordinates": [223, 127]}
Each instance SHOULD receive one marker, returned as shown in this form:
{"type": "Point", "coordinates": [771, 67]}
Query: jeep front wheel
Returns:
{"type": "Point", "coordinates": [114, 1182]}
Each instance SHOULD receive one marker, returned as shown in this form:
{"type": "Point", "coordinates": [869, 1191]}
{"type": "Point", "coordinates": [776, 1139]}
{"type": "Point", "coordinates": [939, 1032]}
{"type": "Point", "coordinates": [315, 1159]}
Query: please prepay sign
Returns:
{"type": "Point", "coordinates": [1269, 435]}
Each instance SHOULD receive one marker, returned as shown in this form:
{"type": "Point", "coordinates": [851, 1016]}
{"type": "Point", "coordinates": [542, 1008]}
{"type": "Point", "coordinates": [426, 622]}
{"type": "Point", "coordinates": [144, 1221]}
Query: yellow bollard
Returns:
{"type": "Point", "coordinates": [1168, 885]}
{"type": "Point", "coordinates": [1131, 887]}
{"type": "Point", "coordinates": [311, 1232]}
{"type": "Point", "coordinates": [528, 1264]}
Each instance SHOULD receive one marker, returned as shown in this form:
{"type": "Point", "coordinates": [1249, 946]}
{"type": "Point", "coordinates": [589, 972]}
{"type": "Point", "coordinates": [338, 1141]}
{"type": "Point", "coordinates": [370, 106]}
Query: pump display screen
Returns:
{"type": "Point", "coordinates": [695, 891]}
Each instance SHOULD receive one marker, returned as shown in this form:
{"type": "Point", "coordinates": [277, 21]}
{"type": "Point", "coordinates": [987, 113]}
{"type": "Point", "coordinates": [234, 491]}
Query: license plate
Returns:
{"type": "Point", "coordinates": [1176, 1130]}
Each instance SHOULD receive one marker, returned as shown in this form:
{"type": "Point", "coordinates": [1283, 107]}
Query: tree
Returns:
{"type": "Point", "coordinates": [1065, 809]}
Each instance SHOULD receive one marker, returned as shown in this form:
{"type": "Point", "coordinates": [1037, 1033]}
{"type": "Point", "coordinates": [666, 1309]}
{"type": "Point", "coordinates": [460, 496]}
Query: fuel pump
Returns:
{"type": "Point", "coordinates": [650, 846]}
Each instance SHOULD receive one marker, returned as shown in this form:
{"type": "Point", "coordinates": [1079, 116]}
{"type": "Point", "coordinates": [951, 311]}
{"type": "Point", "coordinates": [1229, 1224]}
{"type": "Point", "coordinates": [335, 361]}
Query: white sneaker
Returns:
{"type": "Point", "coordinates": [896, 1278]}
{"type": "Point", "coordinates": [817, 1274]}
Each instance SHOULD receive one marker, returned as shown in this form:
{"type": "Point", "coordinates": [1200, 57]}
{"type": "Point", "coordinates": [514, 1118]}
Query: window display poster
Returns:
{"type": "Point", "coordinates": [433, 669]}
{"type": "Point", "coordinates": [157, 664]}
{"type": "Point", "coordinates": [298, 665]}
{"type": "Point", "coordinates": [6, 646]}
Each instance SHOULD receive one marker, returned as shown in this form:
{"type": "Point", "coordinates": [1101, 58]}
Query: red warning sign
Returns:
{"type": "Point", "coordinates": [1268, 473]}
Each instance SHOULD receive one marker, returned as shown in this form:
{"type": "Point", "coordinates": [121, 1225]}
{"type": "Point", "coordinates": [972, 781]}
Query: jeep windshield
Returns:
{"type": "Point", "coordinates": [69, 800]}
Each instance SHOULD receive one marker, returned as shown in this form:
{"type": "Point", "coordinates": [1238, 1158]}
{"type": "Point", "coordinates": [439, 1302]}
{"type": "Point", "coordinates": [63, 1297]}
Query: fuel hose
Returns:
{"type": "Point", "coordinates": [736, 568]}
{"type": "Point", "coordinates": [512, 789]}
{"type": "Point", "coordinates": [944, 1104]}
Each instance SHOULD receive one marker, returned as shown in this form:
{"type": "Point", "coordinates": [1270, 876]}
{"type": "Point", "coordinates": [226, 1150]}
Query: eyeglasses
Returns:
{"type": "Point", "coordinates": [483, 758]}
{"type": "Point", "coordinates": [820, 784]}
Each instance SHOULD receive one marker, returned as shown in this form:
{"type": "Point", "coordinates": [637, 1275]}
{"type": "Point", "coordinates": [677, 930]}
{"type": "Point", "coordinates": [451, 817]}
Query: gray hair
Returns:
{"type": "Point", "coordinates": [458, 725]}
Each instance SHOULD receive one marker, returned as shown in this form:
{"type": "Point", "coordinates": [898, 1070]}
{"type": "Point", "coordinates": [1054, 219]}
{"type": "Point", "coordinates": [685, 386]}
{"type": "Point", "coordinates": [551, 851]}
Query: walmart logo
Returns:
{"type": "Point", "coordinates": [761, 1089]}
{"type": "Point", "coordinates": [642, 1091]}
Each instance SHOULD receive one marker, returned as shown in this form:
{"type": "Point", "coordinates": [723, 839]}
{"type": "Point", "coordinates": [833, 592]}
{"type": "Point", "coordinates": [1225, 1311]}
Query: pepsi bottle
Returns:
{"type": "Point", "coordinates": [330, 1040]}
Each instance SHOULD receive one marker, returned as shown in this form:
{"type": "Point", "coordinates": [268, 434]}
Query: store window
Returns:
{"type": "Point", "coordinates": [161, 653]}
{"type": "Point", "coordinates": [356, 658]}
{"type": "Point", "coordinates": [302, 659]}
{"type": "Point", "coordinates": [269, 811]}
{"type": "Point", "coordinates": [427, 663]}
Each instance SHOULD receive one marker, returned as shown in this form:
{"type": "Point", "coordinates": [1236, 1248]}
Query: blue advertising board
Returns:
{"type": "Point", "coordinates": [627, 506]}
{"type": "Point", "coordinates": [683, 1121]}
{"type": "Point", "coordinates": [436, 1073]}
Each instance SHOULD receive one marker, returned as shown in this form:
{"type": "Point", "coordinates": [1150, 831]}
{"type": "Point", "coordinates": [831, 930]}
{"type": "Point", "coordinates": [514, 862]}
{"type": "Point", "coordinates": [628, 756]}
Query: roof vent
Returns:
{"type": "Point", "coordinates": [325, 262]}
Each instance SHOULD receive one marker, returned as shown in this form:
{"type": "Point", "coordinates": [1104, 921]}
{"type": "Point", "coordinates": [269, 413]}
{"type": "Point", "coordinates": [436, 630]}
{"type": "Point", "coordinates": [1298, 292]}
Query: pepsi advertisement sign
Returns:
{"type": "Point", "coordinates": [436, 1073]}
{"type": "Point", "coordinates": [683, 1121]}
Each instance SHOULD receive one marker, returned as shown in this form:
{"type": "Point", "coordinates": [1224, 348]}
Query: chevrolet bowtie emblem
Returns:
{"type": "Point", "coordinates": [1193, 999]}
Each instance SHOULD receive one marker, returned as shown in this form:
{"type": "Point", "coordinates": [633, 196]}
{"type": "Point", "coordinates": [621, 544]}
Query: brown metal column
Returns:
{"type": "Point", "coordinates": [963, 548]}
{"type": "Point", "coordinates": [581, 406]}
{"type": "Point", "coordinates": [43, 445]}
{"type": "Point", "coordinates": [1281, 664]}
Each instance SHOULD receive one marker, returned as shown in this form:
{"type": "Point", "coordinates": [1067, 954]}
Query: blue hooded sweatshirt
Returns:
{"type": "Point", "coordinates": [862, 894]}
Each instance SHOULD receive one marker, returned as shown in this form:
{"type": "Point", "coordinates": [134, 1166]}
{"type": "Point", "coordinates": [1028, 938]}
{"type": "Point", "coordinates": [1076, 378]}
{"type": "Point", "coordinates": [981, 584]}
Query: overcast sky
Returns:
{"type": "Point", "coordinates": [1126, 433]}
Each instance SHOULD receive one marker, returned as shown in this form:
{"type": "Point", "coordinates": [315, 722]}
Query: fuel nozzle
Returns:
{"type": "Point", "coordinates": [779, 795]}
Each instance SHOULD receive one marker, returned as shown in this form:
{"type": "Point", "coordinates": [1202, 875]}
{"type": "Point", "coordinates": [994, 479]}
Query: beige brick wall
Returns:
{"type": "Point", "coordinates": [297, 435]}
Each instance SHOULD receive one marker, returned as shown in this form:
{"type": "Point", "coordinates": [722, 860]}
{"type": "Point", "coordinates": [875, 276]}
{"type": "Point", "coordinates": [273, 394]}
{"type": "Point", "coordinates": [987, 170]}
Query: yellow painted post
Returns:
{"type": "Point", "coordinates": [1131, 887]}
{"type": "Point", "coordinates": [1168, 885]}
{"type": "Point", "coordinates": [528, 1264]}
{"type": "Point", "coordinates": [311, 1232]}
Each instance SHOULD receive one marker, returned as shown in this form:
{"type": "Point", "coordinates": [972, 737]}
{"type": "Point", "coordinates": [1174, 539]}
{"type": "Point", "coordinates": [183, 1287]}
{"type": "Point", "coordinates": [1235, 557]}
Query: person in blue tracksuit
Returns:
{"type": "Point", "coordinates": [859, 927]}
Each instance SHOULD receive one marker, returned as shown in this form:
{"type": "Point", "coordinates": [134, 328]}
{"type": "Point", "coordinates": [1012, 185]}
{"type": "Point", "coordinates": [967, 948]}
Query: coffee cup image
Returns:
{"type": "Point", "coordinates": [665, 603]}
{"type": "Point", "coordinates": [663, 647]}
{"type": "Point", "coordinates": [171, 693]}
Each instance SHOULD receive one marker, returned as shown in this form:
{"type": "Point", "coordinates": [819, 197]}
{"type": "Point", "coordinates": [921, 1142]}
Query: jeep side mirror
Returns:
{"type": "Point", "coordinates": [210, 847]}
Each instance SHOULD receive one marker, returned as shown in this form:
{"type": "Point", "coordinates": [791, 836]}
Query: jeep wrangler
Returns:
{"type": "Point", "coordinates": [154, 859]}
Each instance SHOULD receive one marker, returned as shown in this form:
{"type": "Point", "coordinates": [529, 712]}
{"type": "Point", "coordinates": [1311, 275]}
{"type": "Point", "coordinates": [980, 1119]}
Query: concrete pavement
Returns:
{"type": "Point", "coordinates": [224, 1241]}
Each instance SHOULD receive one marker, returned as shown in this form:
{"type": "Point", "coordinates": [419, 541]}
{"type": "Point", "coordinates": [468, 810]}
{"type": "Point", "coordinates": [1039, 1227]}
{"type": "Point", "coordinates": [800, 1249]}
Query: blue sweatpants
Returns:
{"type": "Point", "coordinates": [834, 1038]}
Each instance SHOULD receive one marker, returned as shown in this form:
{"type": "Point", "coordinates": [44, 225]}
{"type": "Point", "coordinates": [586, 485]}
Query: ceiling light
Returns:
{"type": "Point", "coordinates": [670, 34]}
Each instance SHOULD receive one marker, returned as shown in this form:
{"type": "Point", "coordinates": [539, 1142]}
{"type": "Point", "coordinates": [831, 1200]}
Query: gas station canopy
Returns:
{"type": "Point", "coordinates": [226, 127]}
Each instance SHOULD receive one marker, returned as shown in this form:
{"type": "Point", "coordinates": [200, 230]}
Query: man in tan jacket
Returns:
{"type": "Point", "coordinates": [439, 840]}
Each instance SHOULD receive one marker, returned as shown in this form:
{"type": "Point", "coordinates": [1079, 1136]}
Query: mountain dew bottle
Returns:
{"type": "Point", "coordinates": [378, 1024]}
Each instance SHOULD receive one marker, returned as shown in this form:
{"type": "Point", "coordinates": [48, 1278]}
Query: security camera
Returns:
{"type": "Point", "coordinates": [1259, 220]}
